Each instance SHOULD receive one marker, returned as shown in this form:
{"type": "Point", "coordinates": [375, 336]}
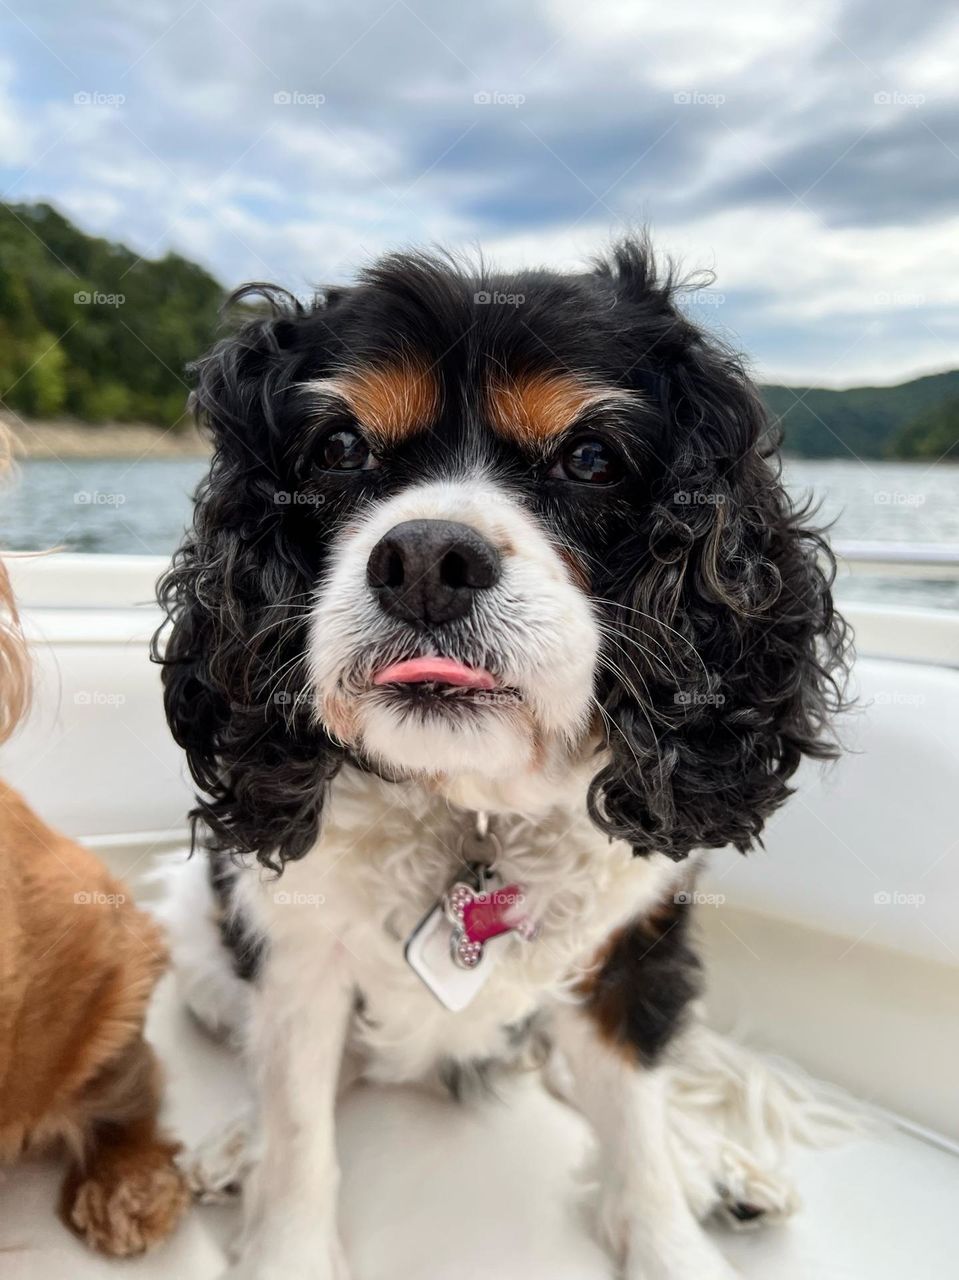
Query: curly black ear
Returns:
{"type": "Point", "coordinates": [729, 656]}
{"type": "Point", "coordinates": [236, 600]}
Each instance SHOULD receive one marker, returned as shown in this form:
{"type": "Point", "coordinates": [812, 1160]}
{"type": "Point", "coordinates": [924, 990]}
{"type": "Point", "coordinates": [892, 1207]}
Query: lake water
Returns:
{"type": "Point", "coordinates": [139, 507]}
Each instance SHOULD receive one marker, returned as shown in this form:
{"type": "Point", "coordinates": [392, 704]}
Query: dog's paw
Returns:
{"type": "Point", "coordinates": [725, 1181]}
{"type": "Point", "coordinates": [218, 1168]}
{"type": "Point", "coordinates": [127, 1201]}
{"type": "Point", "coordinates": [751, 1196]}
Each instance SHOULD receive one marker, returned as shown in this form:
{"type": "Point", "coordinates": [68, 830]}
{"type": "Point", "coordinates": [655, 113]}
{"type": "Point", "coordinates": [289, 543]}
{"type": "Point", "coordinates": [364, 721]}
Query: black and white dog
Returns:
{"type": "Point", "coordinates": [494, 615]}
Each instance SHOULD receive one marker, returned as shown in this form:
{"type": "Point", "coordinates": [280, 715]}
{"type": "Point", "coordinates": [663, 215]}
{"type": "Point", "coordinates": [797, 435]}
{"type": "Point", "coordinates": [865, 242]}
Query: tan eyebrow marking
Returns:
{"type": "Point", "coordinates": [390, 401]}
{"type": "Point", "coordinates": [532, 408]}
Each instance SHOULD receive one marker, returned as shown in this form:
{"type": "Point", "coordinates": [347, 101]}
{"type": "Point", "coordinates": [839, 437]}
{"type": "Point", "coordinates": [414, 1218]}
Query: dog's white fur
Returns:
{"type": "Point", "coordinates": [536, 621]}
{"type": "Point", "coordinates": [336, 922]}
{"type": "Point", "coordinates": [732, 1116]}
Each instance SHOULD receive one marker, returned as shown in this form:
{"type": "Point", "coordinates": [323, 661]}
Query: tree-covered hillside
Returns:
{"type": "Point", "coordinates": [934, 434]}
{"type": "Point", "coordinates": [89, 330]}
{"type": "Point", "coordinates": [868, 422]}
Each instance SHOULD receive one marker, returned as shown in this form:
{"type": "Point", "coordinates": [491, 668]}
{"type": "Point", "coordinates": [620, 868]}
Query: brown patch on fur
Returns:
{"type": "Point", "coordinates": [577, 570]}
{"type": "Point", "coordinates": [340, 718]}
{"type": "Point", "coordinates": [78, 964]}
{"type": "Point", "coordinates": [586, 987]}
{"type": "Point", "coordinates": [534, 407]}
{"type": "Point", "coordinates": [391, 402]}
{"type": "Point", "coordinates": [639, 982]}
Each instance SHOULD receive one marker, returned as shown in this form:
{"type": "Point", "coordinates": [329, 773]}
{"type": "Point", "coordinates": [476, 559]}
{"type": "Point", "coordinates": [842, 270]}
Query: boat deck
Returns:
{"type": "Point", "coordinates": [494, 1193]}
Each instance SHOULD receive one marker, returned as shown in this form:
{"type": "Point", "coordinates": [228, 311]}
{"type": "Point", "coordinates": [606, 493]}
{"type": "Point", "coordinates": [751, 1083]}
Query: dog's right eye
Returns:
{"type": "Point", "coordinates": [344, 449]}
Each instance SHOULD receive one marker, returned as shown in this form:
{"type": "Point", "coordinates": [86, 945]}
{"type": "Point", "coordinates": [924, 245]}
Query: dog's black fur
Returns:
{"type": "Point", "coordinates": [723, 651]}
{"type": "Point", "coordinates": [641, 993]}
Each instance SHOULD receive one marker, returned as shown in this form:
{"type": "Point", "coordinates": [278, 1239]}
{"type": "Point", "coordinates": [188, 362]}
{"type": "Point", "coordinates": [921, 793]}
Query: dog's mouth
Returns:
{"type": "Point", "coordinates": [434, 683]}
{"type": "Point", "coordinates": [446, 672]}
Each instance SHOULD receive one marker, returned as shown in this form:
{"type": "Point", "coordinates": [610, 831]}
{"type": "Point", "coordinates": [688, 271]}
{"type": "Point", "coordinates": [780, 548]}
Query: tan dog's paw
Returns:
{"type": "Point", "coordinates": [128, 1200]}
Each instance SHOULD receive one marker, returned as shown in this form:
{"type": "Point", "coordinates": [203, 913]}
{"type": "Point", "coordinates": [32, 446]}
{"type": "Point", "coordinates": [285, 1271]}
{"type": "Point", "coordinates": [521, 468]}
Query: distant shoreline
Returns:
{"type": "Point", "coordinates": [67, 439]}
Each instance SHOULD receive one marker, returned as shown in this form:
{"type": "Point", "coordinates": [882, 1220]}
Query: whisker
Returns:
{"type": "Point", "coordinates": [277, 622]}
{"type": "Point", "coordinates": [614, 670]}
{"type": "Point", "coordinates": [609, 633]}
{"type": "Point", "coordinates": [658, 621]}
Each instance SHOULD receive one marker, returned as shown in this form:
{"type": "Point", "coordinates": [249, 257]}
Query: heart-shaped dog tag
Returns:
{"type": "Point", "coordinates": [478, 915]}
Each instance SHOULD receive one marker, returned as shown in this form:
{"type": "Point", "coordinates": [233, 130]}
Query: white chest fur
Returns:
{"type": "Point", "coordinates": [387, 852]}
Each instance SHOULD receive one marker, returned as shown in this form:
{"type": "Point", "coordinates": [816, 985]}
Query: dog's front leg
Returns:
{"type": "Point", "coordinates": [643, 1211]}
{"type": "Point", "coordinates": [300, 1021]}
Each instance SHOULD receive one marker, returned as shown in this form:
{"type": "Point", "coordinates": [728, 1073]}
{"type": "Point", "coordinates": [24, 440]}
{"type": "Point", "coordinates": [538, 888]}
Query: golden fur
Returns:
{"type": "Point", "coordinates": [533, 408]}
{"type": "Point", "coordinates": [393, 401]}
{"type": "Point", "coordinates": [78, 964]}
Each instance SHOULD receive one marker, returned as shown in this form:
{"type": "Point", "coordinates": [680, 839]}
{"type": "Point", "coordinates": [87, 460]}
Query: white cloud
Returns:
{"type": "Point", "coordinates": [697, 44]}
{"type": "Point", "coordinates": [201, 159]}
{"type": "Point", "coordinates": [18, 139]}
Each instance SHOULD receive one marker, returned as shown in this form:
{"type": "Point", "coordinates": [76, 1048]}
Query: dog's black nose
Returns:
{"type": "Point", "coordinates": [429, 571]}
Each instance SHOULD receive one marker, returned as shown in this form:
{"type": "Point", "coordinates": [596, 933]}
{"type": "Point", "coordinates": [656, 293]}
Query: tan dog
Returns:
{"type": "Point", "coordinates": [78, 963]}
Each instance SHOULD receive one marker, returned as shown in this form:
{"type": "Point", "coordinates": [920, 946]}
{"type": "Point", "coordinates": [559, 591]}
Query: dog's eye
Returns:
{"type": "Point", "coordinates": [588, 461]}
{"type": "Point", "coordinates": [344, 449]}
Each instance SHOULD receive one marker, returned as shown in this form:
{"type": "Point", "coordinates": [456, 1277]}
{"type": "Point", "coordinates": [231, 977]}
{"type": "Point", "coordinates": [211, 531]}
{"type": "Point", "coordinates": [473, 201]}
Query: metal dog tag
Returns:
{"type": "Point", "coordinates": [440, 950]}
{"type": "Point", "coordinates": [430, 953]}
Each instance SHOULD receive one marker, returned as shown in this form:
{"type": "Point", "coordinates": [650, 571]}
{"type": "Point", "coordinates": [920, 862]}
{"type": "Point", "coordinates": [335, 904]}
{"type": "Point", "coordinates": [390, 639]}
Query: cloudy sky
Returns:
{"type": "Point", "coordinates": [807, 152]}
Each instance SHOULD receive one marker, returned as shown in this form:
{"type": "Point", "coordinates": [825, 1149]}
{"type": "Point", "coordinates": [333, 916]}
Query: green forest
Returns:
{"type": "Point", "coordinates": [88, 330]}
{"type": "Point", "coordinates": [916, 419]}
{"type": "Point", "coordinates": [91, 331]}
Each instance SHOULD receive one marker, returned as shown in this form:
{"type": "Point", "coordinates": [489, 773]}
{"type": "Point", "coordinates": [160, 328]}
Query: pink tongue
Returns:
{"type": "Point", "coordinates": [442, 670]}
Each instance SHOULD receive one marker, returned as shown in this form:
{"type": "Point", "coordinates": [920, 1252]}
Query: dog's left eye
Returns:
{"type": "Point", "coordinates": [344, 449]}
{"type": "Point", "coordinates": [588, 461]}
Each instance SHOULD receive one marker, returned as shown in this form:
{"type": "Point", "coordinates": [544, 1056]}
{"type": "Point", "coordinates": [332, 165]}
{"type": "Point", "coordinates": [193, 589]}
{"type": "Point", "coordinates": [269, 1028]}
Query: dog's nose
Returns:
{"type": "Point", "coordinates": [429, 571]}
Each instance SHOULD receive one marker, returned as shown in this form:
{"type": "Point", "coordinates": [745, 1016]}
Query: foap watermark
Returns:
{"type": "Point", "coordinates": [97, 98]}
{"type": "Point", "coordinates": [698, 698]}
{"type": "Point", "coordinates": [282, 698]}
{"type": "Point", "coordinates": [496, 298]}
{"type": "Point", "coordinates": [495, 697]}
{"type": "Point", "coordinates": [704, 298]}
{"type": "Point", "coordinates": [298, 498]}
{"type": "Point", "coordinates": [496, 98]}
{"type": "Point", "coordinates": [297, 98]}
{"type": "Point", "coordinates": [896, 898]}
{"type": "Point", "coordinates": [296, 898]}
{"type": "Point", "coordinates": [94, 898]}
{"type": "Point", "coordinates": [94, 298]}
{"type": "Point", "coordinates": [98, 698]}
{"type": "Point", "coordinates": [897, 498]}
{"type": "Point", "coordinates": [97, 498]}
{"type": "Point", "coordinates": [698, 498]}
{"type": "Point", "coordinates": [693, 898]}
{"type": "Point", "coordinates": [287, 698]}
{"type": "Point", "coordinates": [694, 98]}
{"type": "Point", "coordinates": [896, 98]}
{"type": "Point", "coordinates": [893, 698]}
{"type": "Point", "coordinates": [899, 298]}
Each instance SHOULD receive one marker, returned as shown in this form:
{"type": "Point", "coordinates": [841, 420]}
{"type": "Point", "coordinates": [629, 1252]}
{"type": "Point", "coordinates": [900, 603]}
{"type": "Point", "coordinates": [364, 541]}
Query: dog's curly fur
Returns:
{"type": "Point", "coordinates": [709, 579]}
{"type": "Point", "coordinates": [540, 564]}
